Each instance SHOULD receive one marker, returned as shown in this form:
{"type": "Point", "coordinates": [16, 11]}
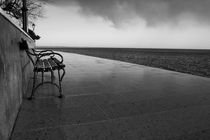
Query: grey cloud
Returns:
{"type": "Point", "coordinates": [154, 12]}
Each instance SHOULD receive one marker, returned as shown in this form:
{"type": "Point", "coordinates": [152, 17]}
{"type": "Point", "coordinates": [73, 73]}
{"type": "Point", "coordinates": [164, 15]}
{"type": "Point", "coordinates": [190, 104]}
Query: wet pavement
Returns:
{"type": "Point", "coordinates": [113, 100]}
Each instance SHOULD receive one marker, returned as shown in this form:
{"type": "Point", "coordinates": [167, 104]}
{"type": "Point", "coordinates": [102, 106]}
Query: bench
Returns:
{"type": "Point", "coordinates": [45, 61]}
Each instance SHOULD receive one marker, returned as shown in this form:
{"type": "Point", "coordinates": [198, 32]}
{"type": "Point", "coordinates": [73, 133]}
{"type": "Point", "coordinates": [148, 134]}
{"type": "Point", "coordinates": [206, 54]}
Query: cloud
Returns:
{"type": "Point", "coordinates": [153, 12]}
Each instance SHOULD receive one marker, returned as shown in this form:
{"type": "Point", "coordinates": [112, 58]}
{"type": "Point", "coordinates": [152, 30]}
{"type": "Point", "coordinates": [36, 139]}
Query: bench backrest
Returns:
{"type": "Point", "coordinates": [42, 56]}
{"type": "Point", "coordinates": [32, 55]}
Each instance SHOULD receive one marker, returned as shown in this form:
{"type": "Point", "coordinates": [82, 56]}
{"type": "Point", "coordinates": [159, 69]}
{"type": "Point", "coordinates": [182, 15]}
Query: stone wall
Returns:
{"type": "Point", "coordinates": [15, 70]}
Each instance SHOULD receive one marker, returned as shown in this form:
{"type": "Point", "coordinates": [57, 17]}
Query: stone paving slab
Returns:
{"type": "Point", "coordinates": [112, 100]}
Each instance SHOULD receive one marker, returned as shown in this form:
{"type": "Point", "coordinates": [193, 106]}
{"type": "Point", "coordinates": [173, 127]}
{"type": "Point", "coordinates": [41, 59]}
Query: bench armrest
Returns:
{"type": "Point", "coordinates": [41, 52]}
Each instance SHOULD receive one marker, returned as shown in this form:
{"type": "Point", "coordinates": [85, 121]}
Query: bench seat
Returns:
{"type": "Point", "coordinates": [46, 65]}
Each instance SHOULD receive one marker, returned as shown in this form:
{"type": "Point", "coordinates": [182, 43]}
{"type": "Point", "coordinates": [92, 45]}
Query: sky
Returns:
{"type": "Point", "coordinates": [125, 23]}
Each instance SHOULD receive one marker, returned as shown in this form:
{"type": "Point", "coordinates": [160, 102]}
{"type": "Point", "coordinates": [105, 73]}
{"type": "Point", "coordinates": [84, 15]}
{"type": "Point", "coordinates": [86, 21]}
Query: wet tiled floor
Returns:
{"type": "Point", "coordinates": [112, 100]}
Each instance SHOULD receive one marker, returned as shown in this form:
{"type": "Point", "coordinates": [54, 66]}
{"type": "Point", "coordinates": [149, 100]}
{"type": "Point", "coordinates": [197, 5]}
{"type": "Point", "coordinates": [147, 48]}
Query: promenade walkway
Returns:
{"type": "Point", "coordinates": [112, 100]}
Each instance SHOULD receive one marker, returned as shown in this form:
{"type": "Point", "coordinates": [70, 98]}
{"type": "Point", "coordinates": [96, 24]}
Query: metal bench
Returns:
{"type": "Point", "coordinates": [45, 61]}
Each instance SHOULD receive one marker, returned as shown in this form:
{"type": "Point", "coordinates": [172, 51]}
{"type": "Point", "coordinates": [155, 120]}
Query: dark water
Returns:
{"type": "Point", "coordinates": [141, 50]}
{"type": "Point", "coordinates": [192, 61]}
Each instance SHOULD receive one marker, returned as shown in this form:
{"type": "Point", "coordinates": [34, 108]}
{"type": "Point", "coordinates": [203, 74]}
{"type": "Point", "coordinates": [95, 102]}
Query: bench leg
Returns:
{"type": "Point", "coordinates": [42, 77]}
{"type": "Point", "coordinates": [60, 78]}
{"type": "Point", "coordinates": [60, 88]}
{"type": "Point", "coordinates": [63, 74]}
{"type": "Point", "coordinates": [52, 76]}
{"type": "Point", "coordinates": [33, 88]}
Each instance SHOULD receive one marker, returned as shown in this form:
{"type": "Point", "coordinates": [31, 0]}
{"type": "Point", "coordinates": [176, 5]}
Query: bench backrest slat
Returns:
{"type": "Point", "coordinates": [47, 65]}
{"type": "Point", "coordinates": [52, 63]}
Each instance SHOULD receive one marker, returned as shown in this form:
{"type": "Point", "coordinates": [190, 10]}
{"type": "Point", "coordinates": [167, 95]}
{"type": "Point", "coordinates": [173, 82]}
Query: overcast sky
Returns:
{"type": "Point", "coordinates": [126, 23]}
